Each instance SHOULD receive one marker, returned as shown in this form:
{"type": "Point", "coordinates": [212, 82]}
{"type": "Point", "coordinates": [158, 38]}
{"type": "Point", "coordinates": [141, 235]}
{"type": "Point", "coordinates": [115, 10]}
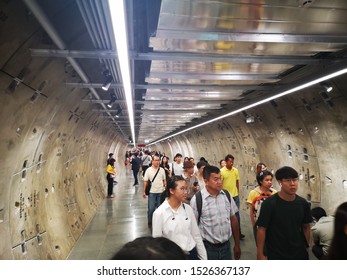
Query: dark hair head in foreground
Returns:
{"type": "Point", "coordinates": [338, 247]}
{"type": "Point", "coordinates": [150, 248]}
{"type": "Point", "coordinates": [286, 172]}
{"type": "Point", "coordinates": [317, 213]}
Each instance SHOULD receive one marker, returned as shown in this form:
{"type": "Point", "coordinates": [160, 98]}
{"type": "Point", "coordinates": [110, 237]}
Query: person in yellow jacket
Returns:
{"type": "Point", "coordinates": [111, 173]}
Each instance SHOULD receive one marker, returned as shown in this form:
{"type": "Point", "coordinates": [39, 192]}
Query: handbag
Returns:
{"type": "Point", "coordinates": [149, 183]}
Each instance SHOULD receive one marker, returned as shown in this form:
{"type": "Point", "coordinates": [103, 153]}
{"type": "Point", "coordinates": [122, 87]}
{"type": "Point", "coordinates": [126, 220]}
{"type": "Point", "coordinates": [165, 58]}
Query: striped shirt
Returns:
{"type": "Point", "coordinates": [215, 225]}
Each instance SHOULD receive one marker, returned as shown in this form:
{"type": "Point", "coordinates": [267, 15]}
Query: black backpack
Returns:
{"type": "Point", "coordinates": [198, 197]}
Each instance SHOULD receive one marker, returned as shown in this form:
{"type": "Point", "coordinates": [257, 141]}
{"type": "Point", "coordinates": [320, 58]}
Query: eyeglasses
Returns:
{"type": "Point", "coordinates": [294, 180]}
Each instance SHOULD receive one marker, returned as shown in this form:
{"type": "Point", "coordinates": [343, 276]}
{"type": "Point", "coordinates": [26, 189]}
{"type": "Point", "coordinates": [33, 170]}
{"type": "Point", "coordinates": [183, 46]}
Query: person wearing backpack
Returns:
{"type": "Point", "coordinates": [231, 183]}
{"type": "Point", "coordinates": [216, 217]}
{"type": "Point", "coordinates": [258, 195]}
{"type": "Point", "coordinates": [145, 162]}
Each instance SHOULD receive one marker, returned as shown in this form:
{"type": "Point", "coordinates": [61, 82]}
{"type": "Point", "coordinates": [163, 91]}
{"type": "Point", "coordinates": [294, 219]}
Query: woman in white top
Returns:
{"type": "Point", "coordinates": [201, 165]}
{"type": "Point", "coordinates": [175, 220]}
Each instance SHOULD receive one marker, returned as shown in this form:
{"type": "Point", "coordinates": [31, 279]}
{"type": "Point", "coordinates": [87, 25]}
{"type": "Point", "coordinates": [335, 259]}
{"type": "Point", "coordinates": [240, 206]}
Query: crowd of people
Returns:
{"type": "Point", "coordinates": [196, 206]}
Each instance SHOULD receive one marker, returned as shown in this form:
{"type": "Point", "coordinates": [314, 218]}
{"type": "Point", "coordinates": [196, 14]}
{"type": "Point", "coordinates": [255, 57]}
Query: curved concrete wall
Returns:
{"type": "Point", "coordinates": [310, 139]}
{"type": "Point", "coordinates": [53, 154]}
{"type": "Point", "coordinates": [54, 147]}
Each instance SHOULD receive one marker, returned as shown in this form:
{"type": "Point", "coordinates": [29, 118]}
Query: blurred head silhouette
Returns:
{"type": "Point", "coordinates": [338, 247]}
{"type": "Point", "coordinates": [150, 248]}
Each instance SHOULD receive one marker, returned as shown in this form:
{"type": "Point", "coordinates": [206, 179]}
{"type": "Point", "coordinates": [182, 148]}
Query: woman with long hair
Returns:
{"type": "Point", "coordinates": [165, 164]}
{"type": "Point", "coordinates": [338, 247]}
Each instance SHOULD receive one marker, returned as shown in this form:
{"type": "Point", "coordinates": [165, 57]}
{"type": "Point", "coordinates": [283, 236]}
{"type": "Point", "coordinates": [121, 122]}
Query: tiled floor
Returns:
{"type": "Point", "coordinates": [124, 218]}
{"type": "Point", "coordinates": [116, 222]}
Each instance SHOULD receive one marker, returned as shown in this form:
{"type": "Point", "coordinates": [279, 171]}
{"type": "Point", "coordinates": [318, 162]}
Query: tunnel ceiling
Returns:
{"type": "Point", "coordinates": [192, 61]}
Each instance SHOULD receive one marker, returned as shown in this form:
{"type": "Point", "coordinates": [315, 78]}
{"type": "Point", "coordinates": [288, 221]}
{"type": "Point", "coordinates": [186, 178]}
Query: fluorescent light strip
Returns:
{"type": "Point", "coordinates": [117, 10]}
{"type": "Point", "coordinates": [314, 82]}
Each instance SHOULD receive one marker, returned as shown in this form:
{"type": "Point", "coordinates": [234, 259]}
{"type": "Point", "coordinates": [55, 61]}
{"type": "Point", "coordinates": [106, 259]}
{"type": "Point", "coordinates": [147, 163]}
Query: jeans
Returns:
{"type": "Point", "coordinates": [109, 184]}
{"type": "Point", "coordinates": [218, 253]}
{"type": "Point", "coordinates": [237, 202]}
{"type": "Point", "coordinates": [135, 172]}
{"type": "Point", "coordinates": [153, 203]}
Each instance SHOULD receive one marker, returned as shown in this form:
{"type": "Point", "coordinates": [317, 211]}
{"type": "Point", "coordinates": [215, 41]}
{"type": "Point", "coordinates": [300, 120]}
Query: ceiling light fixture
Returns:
{"type": "Point", "coordinates": [117, 10]}
{"type": "Point", "coordinates": [108, 80]}
{"type": "Point", "coordinates": [113, 100]}
{"type": "Point", "coordinates": [305, 85]}
{"type": "Point", "coordinates": [326, 86]}
{"type": "Point", "coordinates": [250, 119]}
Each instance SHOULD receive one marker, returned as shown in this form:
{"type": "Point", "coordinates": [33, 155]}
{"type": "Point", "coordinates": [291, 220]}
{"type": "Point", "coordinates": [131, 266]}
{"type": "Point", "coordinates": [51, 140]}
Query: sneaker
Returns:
{"type": "Point", "coordinates": [110, 196]}
{"type": "Point", "coordinates": [242, 236]}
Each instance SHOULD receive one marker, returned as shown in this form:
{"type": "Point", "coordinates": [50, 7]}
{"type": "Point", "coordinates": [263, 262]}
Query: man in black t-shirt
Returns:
{"type": "Point", "coordinates": [284, 221]}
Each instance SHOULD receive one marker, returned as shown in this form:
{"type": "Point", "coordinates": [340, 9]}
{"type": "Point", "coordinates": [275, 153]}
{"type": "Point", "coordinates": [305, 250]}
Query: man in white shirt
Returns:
{"type": "Point", "coordinates": [158, 186]}
{"type": "Point", "coordinates": [218, 221]}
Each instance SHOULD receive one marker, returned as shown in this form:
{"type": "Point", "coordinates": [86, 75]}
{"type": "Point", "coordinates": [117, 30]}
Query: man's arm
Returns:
{"type": "Point", "coordinates": [236, 235]}
{"type": "Point", "coordinates": [144, 189]}
{"type": "Point", "coordinates": [157, 222]}
{"type": "Point", "coordinates": [307, 232]}
{"type": "Point", "coordinates": [261, 234]}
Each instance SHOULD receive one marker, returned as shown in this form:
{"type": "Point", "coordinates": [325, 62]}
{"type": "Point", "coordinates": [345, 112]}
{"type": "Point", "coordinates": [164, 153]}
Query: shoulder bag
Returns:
{"type": "Point", "coordinates": [149, 183]}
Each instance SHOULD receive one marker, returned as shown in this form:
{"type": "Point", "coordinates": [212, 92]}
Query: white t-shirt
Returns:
{"type": "Point", "coordinates": [177, 168]}
{"type": "Point", "coordinates": [324, 231]}
{"type": "Point", "coordinates": [157, 184]}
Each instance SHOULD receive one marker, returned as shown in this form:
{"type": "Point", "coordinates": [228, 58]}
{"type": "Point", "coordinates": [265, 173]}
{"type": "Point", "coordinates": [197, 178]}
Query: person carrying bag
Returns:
{"type": "Point", "coordinates": [149, 183]}
{"type": "Point", "coordinates": [157, 185]}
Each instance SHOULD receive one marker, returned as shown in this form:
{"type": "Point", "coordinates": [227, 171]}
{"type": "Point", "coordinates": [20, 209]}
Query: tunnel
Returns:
{"type": "Point", "coordinates": [57, 129]}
